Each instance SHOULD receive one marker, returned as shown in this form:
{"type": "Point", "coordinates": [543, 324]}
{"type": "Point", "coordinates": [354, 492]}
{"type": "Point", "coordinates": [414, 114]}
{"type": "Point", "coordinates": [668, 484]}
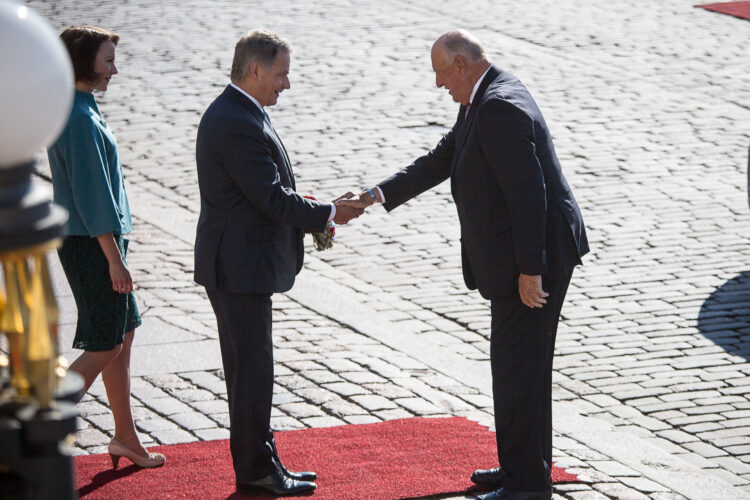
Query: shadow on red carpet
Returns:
{"type": "Point", "coordinates": [398, 459]}
{"type": "Point", "coordinates": [105, 477]}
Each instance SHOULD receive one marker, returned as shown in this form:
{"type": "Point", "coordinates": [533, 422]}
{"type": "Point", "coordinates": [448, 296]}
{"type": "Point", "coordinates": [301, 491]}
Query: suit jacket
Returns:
{"type": "Point", "coordinates": [251, 224]}
{"type": "Point", "coordinates": [516, 210]}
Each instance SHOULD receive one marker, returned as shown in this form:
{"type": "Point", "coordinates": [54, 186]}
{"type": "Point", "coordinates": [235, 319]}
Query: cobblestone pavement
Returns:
{"type": "Point", "coordinates": [648, 105]}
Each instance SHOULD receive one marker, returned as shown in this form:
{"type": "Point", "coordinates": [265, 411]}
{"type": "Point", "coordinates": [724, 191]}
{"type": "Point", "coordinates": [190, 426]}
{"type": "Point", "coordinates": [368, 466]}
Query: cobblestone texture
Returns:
{"type": "Point", "coordinates": [648, 105]}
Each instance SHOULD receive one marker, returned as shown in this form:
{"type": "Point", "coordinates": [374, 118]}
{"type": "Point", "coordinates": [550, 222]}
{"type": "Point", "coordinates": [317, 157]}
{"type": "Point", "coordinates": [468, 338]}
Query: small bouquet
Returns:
{"type": "Point", "coordinates": [324, 240]}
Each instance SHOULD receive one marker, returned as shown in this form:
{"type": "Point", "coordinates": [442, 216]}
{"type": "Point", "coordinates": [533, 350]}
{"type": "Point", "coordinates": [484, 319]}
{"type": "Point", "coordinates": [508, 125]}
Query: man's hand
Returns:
{"type": "Point", "coordinates": [348, 200]}
{"type": "Point", "coordinates": [349, 195]}
{"type": "Point", "coordinates": [345, 213]}
{"type": "Point", "coordinates": [347, 209]}
{"type": "Point", "coordinates": [364, 199]}
{"type": "Point", "coordinates": [530, 290]}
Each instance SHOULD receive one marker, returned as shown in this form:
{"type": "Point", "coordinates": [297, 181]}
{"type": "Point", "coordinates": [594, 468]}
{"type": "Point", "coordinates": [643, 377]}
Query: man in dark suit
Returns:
{"type": "Point", "coordinates": [521, 236]}
{"type": "Point", "coordinates": [249, 246]}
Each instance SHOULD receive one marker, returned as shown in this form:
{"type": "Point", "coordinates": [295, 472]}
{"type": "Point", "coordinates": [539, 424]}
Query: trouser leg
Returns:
{"type": "Point", "coordinates": [244, 323]}
{"type": "Point", "coordinates": [521, 354]}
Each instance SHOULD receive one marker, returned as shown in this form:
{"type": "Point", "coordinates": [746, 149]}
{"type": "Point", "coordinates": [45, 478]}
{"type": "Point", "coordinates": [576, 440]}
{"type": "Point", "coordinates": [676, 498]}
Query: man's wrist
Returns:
{"type": "Point", "coordinates": [333, 212]}
{"type": "Point", "coordinates": [372, 194]}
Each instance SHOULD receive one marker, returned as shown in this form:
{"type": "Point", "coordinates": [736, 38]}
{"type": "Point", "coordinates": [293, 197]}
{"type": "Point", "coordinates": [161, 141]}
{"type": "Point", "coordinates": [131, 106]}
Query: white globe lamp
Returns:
{"type": "Point", "coordinates": [36, 95]}
{"type": "Point", "coordinates": [36, 89]}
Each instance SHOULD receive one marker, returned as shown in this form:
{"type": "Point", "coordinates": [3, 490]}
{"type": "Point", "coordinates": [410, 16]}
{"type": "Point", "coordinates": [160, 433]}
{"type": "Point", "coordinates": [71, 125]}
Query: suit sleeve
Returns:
{"type": "Point", "coordinates": [425, 173]}
{"type": "Point", "coordinates": [248, 162]}
{"type": "Point", "coordinates": [506, 137]}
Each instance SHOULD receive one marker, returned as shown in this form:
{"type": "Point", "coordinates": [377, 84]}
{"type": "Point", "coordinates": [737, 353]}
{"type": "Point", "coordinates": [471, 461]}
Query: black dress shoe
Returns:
{"type": "Point", "coordinates": [276, 483]}
{"type": "Point", "coordinates": [507, 494]}
{"type": "Point", "coordinates": [489, 478]}
{"type": "Point", "coordinates": [299, 476]}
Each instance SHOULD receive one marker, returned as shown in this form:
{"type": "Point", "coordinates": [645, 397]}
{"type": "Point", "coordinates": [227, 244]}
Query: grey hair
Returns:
{"type": "Point", "coordinates": [257, 46]}
{"type": "Point", "coordinates": [464, 44]}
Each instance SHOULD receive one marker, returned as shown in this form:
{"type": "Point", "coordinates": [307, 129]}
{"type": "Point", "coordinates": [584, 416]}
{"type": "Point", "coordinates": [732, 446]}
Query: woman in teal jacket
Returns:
{"type": "Point", "coordinates": [87, 180]}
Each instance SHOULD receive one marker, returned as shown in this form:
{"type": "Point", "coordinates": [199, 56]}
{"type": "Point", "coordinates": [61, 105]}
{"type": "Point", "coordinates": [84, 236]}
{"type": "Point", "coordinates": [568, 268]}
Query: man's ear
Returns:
{"type": "Point", "coordinates": [460, 63]}
{"type": "Point", "coordinates": [256, 71]}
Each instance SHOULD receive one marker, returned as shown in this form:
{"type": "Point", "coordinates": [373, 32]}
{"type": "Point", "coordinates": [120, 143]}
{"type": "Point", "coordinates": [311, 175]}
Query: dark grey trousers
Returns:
{"type": "Point", "coordinates": [244, 322]}
{"type": "Point", "coordinates": [522, 346]}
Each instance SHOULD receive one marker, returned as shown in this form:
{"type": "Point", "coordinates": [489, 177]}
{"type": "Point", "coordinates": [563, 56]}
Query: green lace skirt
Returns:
{"type": "Point", "coordinates": [104, 316]}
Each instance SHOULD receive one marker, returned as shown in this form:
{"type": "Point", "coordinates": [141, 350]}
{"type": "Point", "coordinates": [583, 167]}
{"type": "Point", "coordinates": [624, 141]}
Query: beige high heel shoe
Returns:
{"type": "Point", "coordinates": [117, 449]}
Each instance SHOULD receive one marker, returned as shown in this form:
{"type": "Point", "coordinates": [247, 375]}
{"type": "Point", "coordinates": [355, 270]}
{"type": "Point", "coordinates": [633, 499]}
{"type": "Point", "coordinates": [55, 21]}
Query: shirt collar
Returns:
{"type": "Point", "coordinates": [476, 85]}
{"type": "Point", "coordinates": [253, 99]}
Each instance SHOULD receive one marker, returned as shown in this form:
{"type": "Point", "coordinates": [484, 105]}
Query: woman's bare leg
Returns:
{"type": "Point", "coordinates": [116, 377]}
{"type": "Point", "coordinates": [91, 363]}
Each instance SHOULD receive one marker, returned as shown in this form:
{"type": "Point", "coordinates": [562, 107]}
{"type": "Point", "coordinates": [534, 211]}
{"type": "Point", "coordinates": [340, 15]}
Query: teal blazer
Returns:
{"type": "Point", "coordinates": [86, 173]}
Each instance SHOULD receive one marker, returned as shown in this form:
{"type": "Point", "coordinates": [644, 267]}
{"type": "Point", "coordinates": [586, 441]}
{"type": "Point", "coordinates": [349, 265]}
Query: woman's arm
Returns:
{"type": "Point", "coordinates": [118, 272]}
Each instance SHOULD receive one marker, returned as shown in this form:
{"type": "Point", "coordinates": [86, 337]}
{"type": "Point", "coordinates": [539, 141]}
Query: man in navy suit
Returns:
{"type": "Point", "coordinates": [521, 236]}
{"type": "Point", "coordinates": [249, 245]}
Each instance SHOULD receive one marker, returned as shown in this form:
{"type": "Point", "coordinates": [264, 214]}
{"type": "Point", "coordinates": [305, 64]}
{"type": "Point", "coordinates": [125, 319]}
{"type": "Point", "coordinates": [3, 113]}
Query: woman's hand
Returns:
{"type": "Point", "coordinates": [120, 276]}
{"type": "Point", "coordinates": [118, 272]}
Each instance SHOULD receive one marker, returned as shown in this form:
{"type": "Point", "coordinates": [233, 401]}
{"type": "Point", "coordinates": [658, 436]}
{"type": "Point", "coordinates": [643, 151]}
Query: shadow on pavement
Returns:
{"type": "Point", "coordinates": [724, 317]}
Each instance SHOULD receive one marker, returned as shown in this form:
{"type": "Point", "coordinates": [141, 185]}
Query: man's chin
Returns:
{"type": "Point", "coordinates": [459, 101]}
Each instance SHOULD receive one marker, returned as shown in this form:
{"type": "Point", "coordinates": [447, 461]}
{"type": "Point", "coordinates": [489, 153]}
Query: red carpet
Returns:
{"type": "Point", "coordinates": [407, 458]}
{"type": "Point", "coordinates": [736, 9]}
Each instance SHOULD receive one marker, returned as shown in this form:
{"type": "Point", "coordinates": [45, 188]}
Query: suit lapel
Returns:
{"type": "Point", "coordinates": [237, 96]}
{"type": "Point", "coordinates": [468, 121]}
{"type": "Point", "coordinates": [275, 138]}
{"type": "Point", "coordinates": [466, 125]}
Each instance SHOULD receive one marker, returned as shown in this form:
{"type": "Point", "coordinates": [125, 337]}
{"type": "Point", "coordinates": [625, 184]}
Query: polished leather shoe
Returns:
{"type": "Point", "coordinates": [276, 483]}
{"type": "Point", "coordinates": [507, 494]}
{"type": "Point", "coordinates": [299, 476]}
{"type": "Point", "coordinates": [488, 478]}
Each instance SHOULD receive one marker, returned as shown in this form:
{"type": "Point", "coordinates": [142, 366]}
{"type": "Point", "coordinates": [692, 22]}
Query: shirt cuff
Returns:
{"type": "Point", "coordinates": [380, 192]}
{"type": "Point", "coordinates": [333, 212]}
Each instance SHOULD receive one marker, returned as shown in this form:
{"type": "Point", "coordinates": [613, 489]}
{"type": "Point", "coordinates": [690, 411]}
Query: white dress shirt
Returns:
{"type": "Point", "coordinates": [476, 85]}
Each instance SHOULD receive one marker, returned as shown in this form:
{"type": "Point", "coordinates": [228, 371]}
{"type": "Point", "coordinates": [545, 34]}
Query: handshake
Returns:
{"type": "Point", "coordinates": [350, 206]}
